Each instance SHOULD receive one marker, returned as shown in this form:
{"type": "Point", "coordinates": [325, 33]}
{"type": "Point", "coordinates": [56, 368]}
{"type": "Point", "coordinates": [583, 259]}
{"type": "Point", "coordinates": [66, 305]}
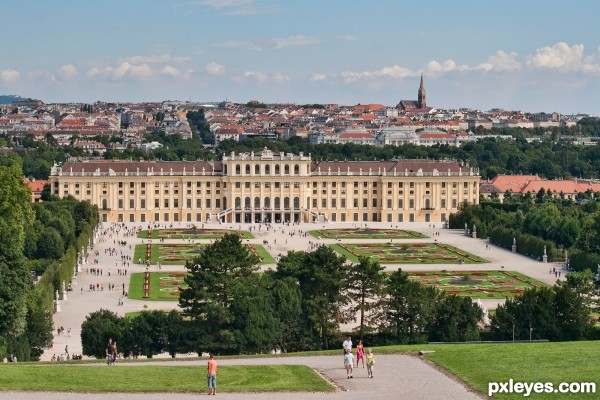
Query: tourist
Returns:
{"type": "Point", "coordinates": [360, 353]}
{"type": "Point", "coordinates": [109, 352]}
{"type": "Point", "coordinates": [348, 363]}
{"type": "Point", "coordinates": [115, 352]}
{"type": "Point", "coordinates": [370, 362]}
{"type": "Point", "coordinates": [347, 345]}
{"type": "Point", "coordinates": [212, 375]}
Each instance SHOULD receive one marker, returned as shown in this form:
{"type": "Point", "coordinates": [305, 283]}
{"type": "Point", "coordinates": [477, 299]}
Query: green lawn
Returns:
{"type": "Point", "coordinates": [101, 378]}
{"type": "Point", "coordinates": [407, 253]}
{"type": "Point", "coordinates": [180, 253]}
{"type": "Point", "coordinates": [522, 362]}
{"type": "Point", "coordinates": [366, 233]}
{"type": "Point", "coordinates": [478, 284]}
{"type": "Point", "coordinates": [162, 286]}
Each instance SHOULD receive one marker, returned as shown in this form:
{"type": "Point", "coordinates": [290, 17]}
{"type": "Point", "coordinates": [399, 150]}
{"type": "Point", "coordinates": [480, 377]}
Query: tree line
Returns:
{"type": "Point", "coordinates": [566, 227]}
{"type": "Point", "coordinates": [37, 240]}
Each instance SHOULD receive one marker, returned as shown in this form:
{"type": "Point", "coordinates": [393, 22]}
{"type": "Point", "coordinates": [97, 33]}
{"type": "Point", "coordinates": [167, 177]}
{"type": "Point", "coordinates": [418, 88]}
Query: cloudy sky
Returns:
{"type": "Point", "coordinates": [520, 55]}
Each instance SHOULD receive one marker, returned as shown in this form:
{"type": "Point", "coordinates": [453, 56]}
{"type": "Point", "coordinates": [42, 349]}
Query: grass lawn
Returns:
{"type": "Point", "coordinates": [180, 253]}
{"type": "Point", "coordinates": [366, 233]}
{"type": "Point", "coordinates": [522, 362]}
{"type": "Point", "coordinates": [101, 378]}
{"type": "Point", "coordinates": [478, 284]}
{"type": "Point", "coordinates": [407, 253]}
{"type": "Point", "coordinates": [163, 286]}
{"type": "Point", "coordinates": [187, 233]}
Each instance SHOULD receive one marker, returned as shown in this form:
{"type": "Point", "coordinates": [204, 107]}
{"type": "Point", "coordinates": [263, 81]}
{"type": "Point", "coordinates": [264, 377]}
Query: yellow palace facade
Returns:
{"type": "Point", "coordinates": [269, 187]}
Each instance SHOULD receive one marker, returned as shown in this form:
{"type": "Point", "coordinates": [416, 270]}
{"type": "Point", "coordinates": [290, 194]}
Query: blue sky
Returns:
{"type": "Point", "coordinates": [519, 55]}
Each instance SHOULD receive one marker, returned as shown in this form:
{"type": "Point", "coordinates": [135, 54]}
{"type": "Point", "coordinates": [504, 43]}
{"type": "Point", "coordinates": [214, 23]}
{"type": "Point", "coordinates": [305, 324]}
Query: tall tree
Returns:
{"type": "Point", "coordinates": [215, 280]}
{"type": "Point", "coordinates": [409, 307]}
{"type": "Point", "coordinates": [322, 277]}
{"type": "Point", "coordinates": [366, 284]}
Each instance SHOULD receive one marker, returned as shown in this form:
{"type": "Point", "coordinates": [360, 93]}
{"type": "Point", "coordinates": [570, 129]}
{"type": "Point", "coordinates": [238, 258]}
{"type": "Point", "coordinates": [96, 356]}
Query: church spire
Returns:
{"type": "Point", "coordinates": [422, 99]}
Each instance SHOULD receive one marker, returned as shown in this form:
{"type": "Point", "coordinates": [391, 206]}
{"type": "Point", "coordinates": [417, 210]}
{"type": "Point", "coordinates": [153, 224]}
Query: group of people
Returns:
{"type": "Point", "coordinates": [368, 358]}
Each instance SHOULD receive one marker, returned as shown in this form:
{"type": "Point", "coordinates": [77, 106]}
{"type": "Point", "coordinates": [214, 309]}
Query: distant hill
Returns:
{"type": "Point", "coordinates": [9, 99]}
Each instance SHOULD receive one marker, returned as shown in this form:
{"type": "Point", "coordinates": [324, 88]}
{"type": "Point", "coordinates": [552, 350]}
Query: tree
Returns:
{"type": "Point", "coordinates": [409, 306]}
{"type": "Point", "coordinates": [255, 326]}
{"type": "Point", "coordinates": [97, 328]}
{"type": "Point", "coordinates": [322, 278]}
{"type": "Point", "coordinates": [215, 280]}
{"type": "Point", "coordinates": [366, 283]}
{"type": "Point", "coordinates": [455, 320]}
{"type": "Point", "coordinates": [295, 332]}
{"type": "Point", "coordinates": [15, 213]}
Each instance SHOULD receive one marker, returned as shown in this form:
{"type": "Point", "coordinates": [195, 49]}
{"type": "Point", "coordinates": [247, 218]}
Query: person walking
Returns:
{"type": "Point", "coordinates": [212, 375]}
{"type": "Point", "coordinates": [347, 345]}
{"type": "Point", "coordinates": [370, 363]}
{"type": "Point", "coordinates": [349, 363]}
{"type": "Point", "coordinates": [360, 353]}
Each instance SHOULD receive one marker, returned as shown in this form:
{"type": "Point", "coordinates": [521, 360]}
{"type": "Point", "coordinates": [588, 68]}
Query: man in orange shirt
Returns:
{"type": "Point", "coordinates": [212, 375]}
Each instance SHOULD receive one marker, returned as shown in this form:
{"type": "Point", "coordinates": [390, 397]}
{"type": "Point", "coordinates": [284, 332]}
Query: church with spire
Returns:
{"type": "Point", "coordinates": [414, 105]}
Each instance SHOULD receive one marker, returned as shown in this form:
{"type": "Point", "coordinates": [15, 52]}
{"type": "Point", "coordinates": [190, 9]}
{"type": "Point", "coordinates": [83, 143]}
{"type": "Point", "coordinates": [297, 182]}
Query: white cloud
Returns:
{"type": "Point", "coordinates": [9, 75]}
{"type": "Point", "coordinates": [281, 43]}
{"type": "Point", "coordinates": [67, 72]}
{"type": "Point", "coordinates": [436, 68]}
{"type": "Point", "coordinates": [156, 59]}
{"type": "Point", "coordinates": [561, 57]}
{"type": "Point", "coordinates": [231, 44]}
{"type": "Point", "coordinates": [501, 61]}
{"type": "Point", "coordinates": [395, 71]}
{"type": "Point", "coordinates": [317, 77]}
{"type": "Point", "coordinates": [214, 68]}
{"type": "Point", "coordinates": [234, 7]}
{"type": "Point", "coordinates": [170, 71]}
{"type": "Point", "coordinates": [123, 70]}
{"type": "Point", "coordinates": [261, 77]}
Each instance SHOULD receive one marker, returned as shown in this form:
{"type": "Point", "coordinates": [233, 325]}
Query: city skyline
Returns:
{"type": "Point", "coordinates": [529, 56]}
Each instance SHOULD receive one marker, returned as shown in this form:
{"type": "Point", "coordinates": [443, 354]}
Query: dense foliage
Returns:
{"type": "Point", "coordinates": [36, 240]}
{"type": "Point", "coordinates": [555, 223]}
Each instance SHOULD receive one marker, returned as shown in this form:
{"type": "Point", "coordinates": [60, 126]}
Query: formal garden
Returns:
{"type": "Point", "coordinates": [180, 253]}
{"type": "Point", "coordinates": [163, 286]}
{"type": "Point", "coordinates": [190, 233]}
{"type": "Point", "coordinates": [407, 253]}
{"type": "Point", "coordinates": [366, 233]}
{"type": "Point", "coordinates": [478, 284]}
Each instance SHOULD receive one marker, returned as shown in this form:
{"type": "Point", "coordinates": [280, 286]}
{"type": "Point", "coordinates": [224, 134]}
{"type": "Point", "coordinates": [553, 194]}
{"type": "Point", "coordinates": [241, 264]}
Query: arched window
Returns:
{"type": "Point", "coordinates": [225, 170]}
{"type": "Point", "coordinates": [308, 202]}
{"type": "Point", "coordinates": [286, 169]}
{"type": "Point", "coordinates": [296, 169]}
{"type": "Point", "coordinates": [286, 202]}
{"type": "Point", "coordinates": [224, 203]}
{"type": "Point", "coordinates": [277, 171]}
{"type": "Point", "coordinates": [296, 202]}
{"type": "Point", "coordinates": [247, 169]}
{"type": "Point", "coordinates": [267, 202]}
{"type": "Point", "coordinates": [277, 203]}
{"type": "Point", "coordinates": [238, 169]}
{"type": "Point", "coordinates": [104, 204]}
{"type": "Point", "coordinates": [238, 202]}
{"type": "Point", "coordinates": [247, 202]}
{"type": "Point", "coordinates": [257, 169]}
{"type": "Point", "coordinates": [427, 204]}
{"type": "Point", "coordinates": [257, 202]}
{"type": "Point", "coordinates": [267, 169]}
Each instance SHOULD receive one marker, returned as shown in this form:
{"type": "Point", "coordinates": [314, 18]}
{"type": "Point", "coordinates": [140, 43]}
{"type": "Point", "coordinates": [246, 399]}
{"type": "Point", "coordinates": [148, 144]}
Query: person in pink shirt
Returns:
{"type": "Point", "coordinates": [360, 353]}
{"type": "Point", "coordinates": [212, 375]}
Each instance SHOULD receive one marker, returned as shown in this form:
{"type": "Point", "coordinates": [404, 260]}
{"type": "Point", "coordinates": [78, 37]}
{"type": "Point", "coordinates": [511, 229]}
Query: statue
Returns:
{"type": "Point", "coordinates": [514, 241]}
{"type": "Point", "coordinates": [56, 295]}
{"type": "Point", "coordinates": [545, 251]}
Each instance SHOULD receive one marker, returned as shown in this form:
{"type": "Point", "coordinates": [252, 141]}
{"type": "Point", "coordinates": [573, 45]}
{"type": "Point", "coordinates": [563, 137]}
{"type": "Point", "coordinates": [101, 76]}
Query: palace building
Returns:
{"type": "Point", "coordinates": [269, 187]}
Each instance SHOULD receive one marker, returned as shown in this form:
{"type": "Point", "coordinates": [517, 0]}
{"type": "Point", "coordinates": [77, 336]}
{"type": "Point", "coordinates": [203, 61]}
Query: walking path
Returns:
{"type": "Point", "coordinates": [395, 376]}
